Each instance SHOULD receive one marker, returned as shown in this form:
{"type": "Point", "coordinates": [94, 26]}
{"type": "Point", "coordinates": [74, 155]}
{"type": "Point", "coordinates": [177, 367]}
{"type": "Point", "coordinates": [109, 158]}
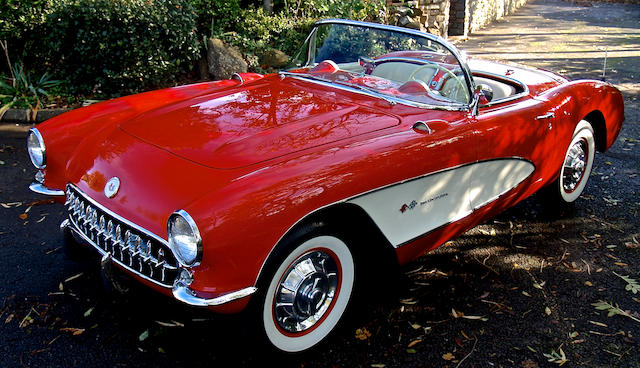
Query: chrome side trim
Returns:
{"type": "Point", "coordinates": [184, 294]}
{"type": "Point", "coordinates": [41, 189]}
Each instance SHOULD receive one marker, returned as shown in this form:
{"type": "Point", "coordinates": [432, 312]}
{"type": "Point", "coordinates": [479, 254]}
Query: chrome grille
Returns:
{"type": "Point", "coordinates": [130, 246]}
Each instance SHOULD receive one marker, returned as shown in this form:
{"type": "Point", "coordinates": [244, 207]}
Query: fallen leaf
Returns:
{"type": "Point", "coordinates": [362, 334]}
{"type": "Point", "coordinates": [529, 364]}
{"type": "Point", "coordinates": [143, 336]}
{"type": "Point", "coordinates": [377, 365]}
{"type": "Point", "coordinates": [411, 351]}
{"type": "Point", "coordinates": [73, 277]}
{"type": "Point", "coordinates": [88, 312]}
{"type": "Point", "coordinates": [525, 293]}
{"type": "Point", "coordinates": [170, 324]}
{"type": "Point", "coordinates": [23, 216]}
{"type": "Point", "coordinates": [473, 317]}
{"type": "Point", "coordinates": [414, 343]}
{"type": "Point", "coordinates": [547, 311]}
{"type": "Point", "coordinates": [588, 283]}
{"type": "Point", "coordinates": [74, 331]}
{"type": "Point", "coordinates": [448, 356]}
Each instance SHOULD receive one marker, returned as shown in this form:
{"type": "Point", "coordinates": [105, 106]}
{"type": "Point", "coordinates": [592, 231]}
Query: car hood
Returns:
{"type": "Point", "coordinates": [257, 122]}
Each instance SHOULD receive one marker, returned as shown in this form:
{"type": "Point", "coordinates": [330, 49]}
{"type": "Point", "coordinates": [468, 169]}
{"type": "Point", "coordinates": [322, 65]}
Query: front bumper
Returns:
{"type": "Point", "coordinates": [87, 229]}
{"type": "Point", "coordinates": [183, 293]}
{"type": "Point", "coordinates": [41, 189]}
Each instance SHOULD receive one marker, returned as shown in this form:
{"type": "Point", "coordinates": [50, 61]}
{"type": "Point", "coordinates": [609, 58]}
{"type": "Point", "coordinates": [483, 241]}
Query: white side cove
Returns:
{"type": "Point", "coordinates": [412, 208]}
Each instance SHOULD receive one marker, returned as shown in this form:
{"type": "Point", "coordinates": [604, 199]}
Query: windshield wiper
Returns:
{"type": "Point", "coordinates": [369, 91]}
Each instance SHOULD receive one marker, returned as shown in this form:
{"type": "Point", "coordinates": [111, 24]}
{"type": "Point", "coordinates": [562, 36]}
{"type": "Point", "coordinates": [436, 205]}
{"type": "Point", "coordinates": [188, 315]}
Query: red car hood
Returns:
{"type": "Point", "coordinates": [256, 122]}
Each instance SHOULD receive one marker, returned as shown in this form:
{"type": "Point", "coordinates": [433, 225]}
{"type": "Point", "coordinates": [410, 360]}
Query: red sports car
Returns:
{"type": "Point", "coordinates": [277, 192]}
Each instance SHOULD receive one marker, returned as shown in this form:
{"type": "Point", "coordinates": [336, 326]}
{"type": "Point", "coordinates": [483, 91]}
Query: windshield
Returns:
{"type": "Point", "coordinates": [391, 64]}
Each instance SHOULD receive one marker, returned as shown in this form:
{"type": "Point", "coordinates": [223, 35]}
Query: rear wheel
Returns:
{"type": "Point", "coordinates": [307, 292]}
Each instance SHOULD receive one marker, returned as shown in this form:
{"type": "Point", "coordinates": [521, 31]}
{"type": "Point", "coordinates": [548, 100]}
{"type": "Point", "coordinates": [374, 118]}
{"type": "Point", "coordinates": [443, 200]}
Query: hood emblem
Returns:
{"type": "Point", "coordinates": [112, 187]}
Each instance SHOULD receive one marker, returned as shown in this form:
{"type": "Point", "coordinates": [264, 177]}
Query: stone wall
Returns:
{"type": "Point", "coordinates": [426, 15]}
{"type": "Point", "coordinates": [449, 17]}
{"type": "Point", "coordinates": [483, 12]}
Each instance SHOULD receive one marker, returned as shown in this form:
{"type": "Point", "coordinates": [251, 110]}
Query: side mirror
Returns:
{"type": "Point", "coordinates": [486, 93]}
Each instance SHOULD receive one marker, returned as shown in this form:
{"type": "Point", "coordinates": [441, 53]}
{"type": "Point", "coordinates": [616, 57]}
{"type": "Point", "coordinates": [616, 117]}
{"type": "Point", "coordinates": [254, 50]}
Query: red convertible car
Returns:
{"type": "Point", "coordinates": [274, 193]}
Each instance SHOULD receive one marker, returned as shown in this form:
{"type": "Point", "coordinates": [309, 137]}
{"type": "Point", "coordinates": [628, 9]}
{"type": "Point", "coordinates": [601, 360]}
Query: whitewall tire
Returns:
{"type": "Point", "coordinates": [577, 163]}
{"type": "Point", "coordinates": [308, 293]}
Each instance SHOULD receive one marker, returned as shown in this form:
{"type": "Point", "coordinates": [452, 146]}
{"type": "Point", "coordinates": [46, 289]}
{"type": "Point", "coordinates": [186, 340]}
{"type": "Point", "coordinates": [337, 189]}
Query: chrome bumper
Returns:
{"type": "Point", "coordinates": [187, 296]}
{"type": "Point", "coordinates": [41, 189]}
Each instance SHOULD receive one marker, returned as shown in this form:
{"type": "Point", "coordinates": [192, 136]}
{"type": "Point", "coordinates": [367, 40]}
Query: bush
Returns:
{"type": "Point", "coordinates": [216, 16]}
{"type": "Point", "coordinates": [287, 28]}
{"type": "Point", "coordinates": [120, 46]}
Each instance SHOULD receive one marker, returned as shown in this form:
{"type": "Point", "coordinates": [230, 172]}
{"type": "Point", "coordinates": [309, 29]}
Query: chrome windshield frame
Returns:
{"type": "Point", "coordinates": [448, 46]}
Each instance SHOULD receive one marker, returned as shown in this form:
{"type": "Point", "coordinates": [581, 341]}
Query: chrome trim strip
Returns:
{"type": "Point", "coordinates": [184, 294]}
{"type": "Point", "coordinates": [120, 218]}
{"type": "Point", "coordinates": [508, 80]}
{"type": "Point", "coordinates": [41, 189]}
{"type": "Point", "coordinates": [73, 227]}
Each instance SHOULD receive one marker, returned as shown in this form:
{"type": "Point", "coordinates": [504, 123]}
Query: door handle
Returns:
{"type": "Point", "coordinates": [422, 127]}
{"type": "Point", "coordinates": [548, 115]}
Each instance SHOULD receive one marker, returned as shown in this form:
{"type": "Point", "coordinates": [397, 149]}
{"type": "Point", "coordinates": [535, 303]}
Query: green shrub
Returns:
{"type": "Point", "coordinates": [287, 28]}
{"type": "Point", "coordinates": [216, 16]}
{"type": "Point", "coordinates": [117, 47]}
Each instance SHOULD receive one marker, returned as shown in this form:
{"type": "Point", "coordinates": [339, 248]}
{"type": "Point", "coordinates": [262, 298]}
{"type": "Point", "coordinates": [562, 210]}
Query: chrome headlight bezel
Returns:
{"type": "Point", "coordinates": [34, 143]}
{"type": "Point", "coordinates": [188, 250]}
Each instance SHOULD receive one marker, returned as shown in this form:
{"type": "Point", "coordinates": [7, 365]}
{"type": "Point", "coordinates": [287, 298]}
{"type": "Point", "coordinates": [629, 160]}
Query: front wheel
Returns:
{"type": "Point", "coordinates": [575, 170]}
{"type": "Point", "coordinates": [308, 293]}
{"type": "Point", "coordinates": [577, 164]}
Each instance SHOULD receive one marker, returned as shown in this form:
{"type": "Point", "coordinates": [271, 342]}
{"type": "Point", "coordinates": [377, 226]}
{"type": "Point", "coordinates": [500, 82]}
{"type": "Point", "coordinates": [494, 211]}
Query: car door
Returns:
{"type": "Point", "coordinates": [440, 153]}
{"type": "Point", "coordinates": [512, 142]}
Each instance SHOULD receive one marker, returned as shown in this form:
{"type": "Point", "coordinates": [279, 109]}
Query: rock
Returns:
{"type": "Point", "coordinates": [403, 10]}
{"type": "Point", "coordinates": [274, 59]}
{"type": "Point", "coordinates": [404, 20]}
{"type": "Point", "coordinates": [413, 25]}
{"type": "Point", "coordinates": [224, 60]}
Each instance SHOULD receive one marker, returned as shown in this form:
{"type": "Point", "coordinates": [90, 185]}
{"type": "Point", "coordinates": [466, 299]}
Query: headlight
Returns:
{"type": "Point", "coordinates": [35, 146]}
{"type": "Point", "coordinates": [184, 238]}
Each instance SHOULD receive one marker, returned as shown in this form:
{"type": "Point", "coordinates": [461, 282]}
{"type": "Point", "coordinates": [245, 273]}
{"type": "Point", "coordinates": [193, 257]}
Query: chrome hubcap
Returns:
{"type": "Point", "coordinates": [574, 166]}
{"type": "Point", "coordinates": [306, 292]}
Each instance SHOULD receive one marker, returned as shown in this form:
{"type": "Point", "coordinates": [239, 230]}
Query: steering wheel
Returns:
{"type": "Point", "coordinates": [453, 92]}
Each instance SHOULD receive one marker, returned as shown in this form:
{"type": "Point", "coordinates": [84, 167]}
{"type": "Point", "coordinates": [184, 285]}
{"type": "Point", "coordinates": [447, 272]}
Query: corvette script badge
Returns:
{"type": "Point", "coordinates": [112, 186]}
